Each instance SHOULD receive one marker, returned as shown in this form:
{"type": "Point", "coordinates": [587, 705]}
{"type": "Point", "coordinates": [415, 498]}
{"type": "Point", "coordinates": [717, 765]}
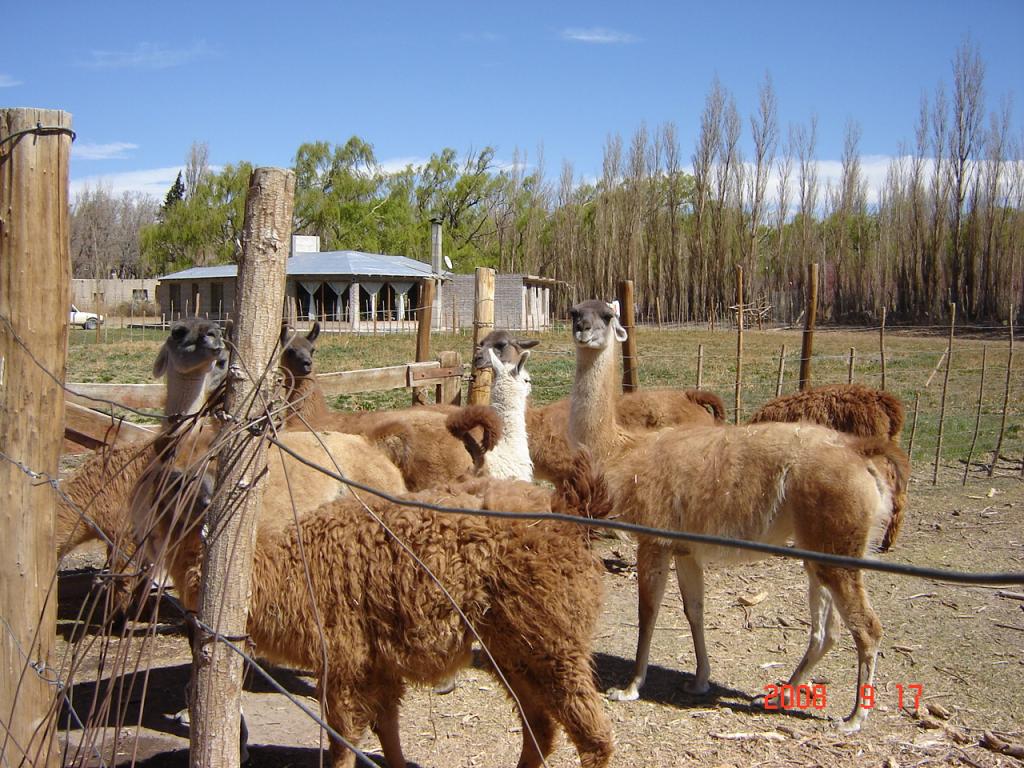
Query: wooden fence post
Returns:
{"type": "Point", "coordinates": [913, 426]}
{"type": "Point", "coordinates": [630, 374]}
{"type": "Point", "coordinates": [782, 370]}
{"type": "Point", "coordinates": [977, 414]}
{"type": "Point", "coordinates": [423, 318]}
{"type": "Point", "coordinates": [881, 345]}
{"type": "Point", "coordinates": [1006, 402]}
{"type": "Point", "coordinates": [483, 324]}
{"type": "Point", "coordinates": [700, 366]}
{"type": "Point", "coordinates": [449, 391]}
{"type": "Point", "coordinates": [850, 365]}
{"type": "Point", "coordinates": [945, 387]}
{"type": "Point", "coordinates": [809, 321]}
{"type": "Point", "coordinates": [227, 566]}
{"type": "Point", "coordinates": [739, 343]}
{"type": "Point", "coordinates": [35, 148]}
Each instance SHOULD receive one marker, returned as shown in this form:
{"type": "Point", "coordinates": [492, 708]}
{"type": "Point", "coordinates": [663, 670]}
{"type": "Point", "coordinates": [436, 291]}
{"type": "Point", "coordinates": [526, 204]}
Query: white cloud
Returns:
{"type": "Point", "coordinates": [397, 164]}
{"type": "Point", "coordinates": [154, 182]}
{"type": "Point", "coordinates": [598, 35]}
{"type": "Point", "coordinates": [146, 56]}
{"type": "Point", "coordinates": [6, 81]}
{"type": "Point", "coordinates": [116, 150]}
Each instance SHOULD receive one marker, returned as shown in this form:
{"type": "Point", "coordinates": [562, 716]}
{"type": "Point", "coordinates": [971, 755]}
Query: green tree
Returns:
{"type": "Point", "coordinates": [174, 195]}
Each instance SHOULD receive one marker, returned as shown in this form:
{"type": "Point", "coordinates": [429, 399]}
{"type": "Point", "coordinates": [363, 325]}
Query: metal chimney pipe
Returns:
{"type": "Point", "coordinates": [436, 268]}
{"type": "Point", "coordinates": [435, 245]}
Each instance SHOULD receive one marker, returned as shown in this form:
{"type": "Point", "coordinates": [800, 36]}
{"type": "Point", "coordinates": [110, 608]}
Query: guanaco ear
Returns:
{"type": "Point", "coordinates": [496, 364]}
{"type": "Point", "coordinates": [527, 343]}
{"type": "Point", "coordinates": [284, 333]}
{"type": "Point", "coordinates": [615, 307]}
{"type": "Point", "coordinates": [521, 365]}
{"type": "Point", "coordinates": [620, 332]}
{"type": "Point", "coordinates": [314, 332]}
{"type": "Point", "coordinates": [160, 365]}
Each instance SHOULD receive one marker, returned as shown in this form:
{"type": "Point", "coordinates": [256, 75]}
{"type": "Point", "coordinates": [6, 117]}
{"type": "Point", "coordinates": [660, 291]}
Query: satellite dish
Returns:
{"type": "Point", "coordinates": [448, 262]}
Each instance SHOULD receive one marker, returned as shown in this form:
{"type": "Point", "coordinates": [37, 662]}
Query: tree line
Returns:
{"type": "Point", "coordinates": [947, 224]}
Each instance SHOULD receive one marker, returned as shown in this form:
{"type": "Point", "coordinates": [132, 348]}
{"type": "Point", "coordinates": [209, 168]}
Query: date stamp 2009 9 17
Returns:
{"type": "Point", "coordinates": [805, 697]}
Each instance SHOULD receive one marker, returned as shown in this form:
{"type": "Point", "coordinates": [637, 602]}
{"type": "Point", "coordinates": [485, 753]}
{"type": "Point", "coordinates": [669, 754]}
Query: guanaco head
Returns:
{"type": "Point", "coordinates": [511, 377]}
{"type": "Point", "coordinates": [595, 324]}
{"type": "Point", "coordinates": [508, 348]}
{"type": "Point", "coordinates": [297, 351]}
{"type": "Point", "coordinates": [193, 348]}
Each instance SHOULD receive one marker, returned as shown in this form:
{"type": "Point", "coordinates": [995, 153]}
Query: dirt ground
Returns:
{"type": "Point", "coordinates": [964, 646]}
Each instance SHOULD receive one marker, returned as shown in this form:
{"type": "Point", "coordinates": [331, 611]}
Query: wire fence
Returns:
{"type": "Point", "coordinates": [120, 653]}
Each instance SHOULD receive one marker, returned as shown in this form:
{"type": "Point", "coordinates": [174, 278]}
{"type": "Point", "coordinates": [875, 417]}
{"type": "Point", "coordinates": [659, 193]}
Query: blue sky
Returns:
{"type": "Point", "coordinates": [144, 80]}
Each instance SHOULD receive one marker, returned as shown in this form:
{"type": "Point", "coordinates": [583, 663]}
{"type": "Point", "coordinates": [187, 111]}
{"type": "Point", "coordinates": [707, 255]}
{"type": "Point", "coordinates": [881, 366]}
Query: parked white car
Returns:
{"type": "Point", "coordinates": [87, 320]}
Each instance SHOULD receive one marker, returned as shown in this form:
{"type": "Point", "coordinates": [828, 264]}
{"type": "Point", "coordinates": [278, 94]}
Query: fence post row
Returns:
{"type": "Point", "coordinates": [35, 148]}
{"type": "Point", "coordinates": [227, 565]}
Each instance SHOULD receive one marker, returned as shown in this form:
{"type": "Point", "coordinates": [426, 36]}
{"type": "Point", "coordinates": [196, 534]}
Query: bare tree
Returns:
{"type": "Point", "coordinates": [105, 233]}
{"type": "Point", "coordinates": [197, 166]}
{"type": "Point", "coordinates": [804, 140]}
{"type": "Point", "coordinates": [708, 142]}
{"type": "Point", "coordinates": [968, 105]}
{"type": "Point", "coordinates": [779, 268]}
{"type": "Point", "coordinates": [764, 132]}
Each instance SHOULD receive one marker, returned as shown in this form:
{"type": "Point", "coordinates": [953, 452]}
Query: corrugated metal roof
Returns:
{"type": "Point", "coordinates": [344, 263]}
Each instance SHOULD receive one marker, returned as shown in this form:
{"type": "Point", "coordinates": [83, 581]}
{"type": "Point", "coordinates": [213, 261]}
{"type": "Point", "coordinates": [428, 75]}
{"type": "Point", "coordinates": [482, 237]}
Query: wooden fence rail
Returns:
{"type": "Point", "coordinates": [88, 425]}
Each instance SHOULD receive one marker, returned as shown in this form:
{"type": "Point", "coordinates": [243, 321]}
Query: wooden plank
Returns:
{"type": "Point", "coordinates": [378, 379]}
{"type": "Point", "coordinates": [128, 395]}
{"type": "Point", "coordinates": [91, 428]}
{"type": "Point", "coordinates": [449, 391]}
{"type": "Point", "coordinates": [152, 396]}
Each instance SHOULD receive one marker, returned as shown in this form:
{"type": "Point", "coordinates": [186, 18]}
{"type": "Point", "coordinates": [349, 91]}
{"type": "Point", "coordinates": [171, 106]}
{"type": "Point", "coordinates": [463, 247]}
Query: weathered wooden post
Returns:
{"type": "Point", "coordinates": [1006, 402]}
{"type": "Point", "coordinates": [483, 323]}
{"type": "Point", "coordinates": [739, 344]}
{"type": "Point", "coordinates": [449, 391]}
{"type": "Point", "coordinates": [424, 314]}
{"type": "Point", "coordinates": [700, 366]}
{"type": "Point", "coordinates": [808, 340]}
{"type": "Point", "coordinates": [227, 568]}
{"type": "Point", "coordinates": [945, 388]}
{"type": "Point", "coordinates": [881, 345]}
{"type": "Point", "coordinates": [913, 426]}
{"type": "Point", "coordinates": [782, 371]}
{"type": "Point", "coordinates": [630, 373]}
{"type": "Point", "coordinates": [977, 413]}
{"type": "Point", "coordinates": [35, 272]}
{"type": "Point", "coordinates": [850, 365]}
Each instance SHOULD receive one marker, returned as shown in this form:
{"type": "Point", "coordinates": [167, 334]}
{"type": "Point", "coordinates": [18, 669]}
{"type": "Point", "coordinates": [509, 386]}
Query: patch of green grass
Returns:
{"type": "Point", "coordinates": [669, 358]}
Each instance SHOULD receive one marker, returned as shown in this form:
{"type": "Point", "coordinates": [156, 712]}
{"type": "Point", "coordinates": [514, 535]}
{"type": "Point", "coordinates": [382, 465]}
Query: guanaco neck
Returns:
{"type": "Point", "coordinates": [592, 422]}
{"type": "Point", "coordinates": [186, 393]}
{"type": "Point", "coordinates": [306, 403]}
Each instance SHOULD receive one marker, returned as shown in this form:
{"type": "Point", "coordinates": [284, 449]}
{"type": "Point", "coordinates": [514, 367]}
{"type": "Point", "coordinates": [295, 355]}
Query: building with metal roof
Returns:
{"type": "Point", "coordinates": [353, 290]}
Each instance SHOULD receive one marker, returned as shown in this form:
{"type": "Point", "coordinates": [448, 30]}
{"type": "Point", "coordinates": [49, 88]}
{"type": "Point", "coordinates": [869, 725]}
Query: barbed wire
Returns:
{"type": "Point", "coordinates": [956, 577]}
